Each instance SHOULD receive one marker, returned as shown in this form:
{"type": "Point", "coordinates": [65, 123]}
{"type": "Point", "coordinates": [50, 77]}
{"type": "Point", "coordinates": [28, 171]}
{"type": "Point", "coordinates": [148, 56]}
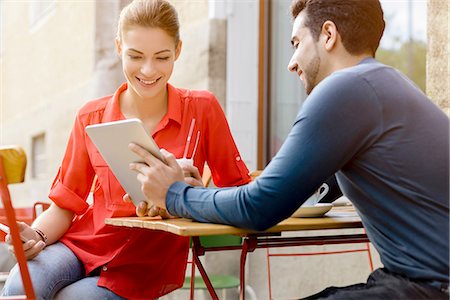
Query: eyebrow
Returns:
{"type": "Point", "coordinates": [134, 50]}
{"type": "Point", "coordinates": [159, 52]}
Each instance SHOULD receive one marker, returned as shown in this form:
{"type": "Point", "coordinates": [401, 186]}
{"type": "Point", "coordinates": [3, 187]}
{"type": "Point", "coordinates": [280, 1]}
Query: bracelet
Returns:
{"type": "Point", "coordinates": [41, 234]}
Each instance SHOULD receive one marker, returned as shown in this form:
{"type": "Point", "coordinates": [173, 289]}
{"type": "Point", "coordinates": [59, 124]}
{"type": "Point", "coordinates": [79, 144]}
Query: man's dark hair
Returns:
{"type": "Point", "coordinates": [359, 22]}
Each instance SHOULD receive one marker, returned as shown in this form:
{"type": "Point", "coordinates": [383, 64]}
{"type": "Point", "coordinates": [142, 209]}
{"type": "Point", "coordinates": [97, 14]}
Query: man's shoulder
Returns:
{"type": "Point", "coordinates": [359, 79]}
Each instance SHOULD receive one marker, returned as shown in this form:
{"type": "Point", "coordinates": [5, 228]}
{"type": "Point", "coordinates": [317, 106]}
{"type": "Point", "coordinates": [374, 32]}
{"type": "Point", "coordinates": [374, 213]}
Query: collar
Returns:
{"type": "Point", "coordinates": [113, 112]}
{"type": "Point", "coordinates": [367, 60]}
{"type": "Point", "coordinates": [174, 104]}
{"type": "Point", "coordinates": [112, 109]}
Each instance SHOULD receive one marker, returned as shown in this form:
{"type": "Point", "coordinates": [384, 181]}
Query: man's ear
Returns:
{"type": "Point", "coordinates": [330, 35]}
{"type": "Point", "coordinates": [178, 49]}
{"type": "Point", "coordinates": [118, 46]}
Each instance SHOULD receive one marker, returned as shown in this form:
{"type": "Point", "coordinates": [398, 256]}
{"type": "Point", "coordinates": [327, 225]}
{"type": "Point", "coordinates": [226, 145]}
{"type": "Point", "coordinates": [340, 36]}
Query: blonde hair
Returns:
{"type": "Point", "coordinates": [150, 13]}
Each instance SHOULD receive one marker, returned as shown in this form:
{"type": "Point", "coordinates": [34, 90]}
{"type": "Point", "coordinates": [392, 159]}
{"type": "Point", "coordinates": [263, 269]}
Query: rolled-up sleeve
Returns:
{"type": "Point", "coordinates": [223, 157]}
{"type": "Point", "coordinates": [72, 184]}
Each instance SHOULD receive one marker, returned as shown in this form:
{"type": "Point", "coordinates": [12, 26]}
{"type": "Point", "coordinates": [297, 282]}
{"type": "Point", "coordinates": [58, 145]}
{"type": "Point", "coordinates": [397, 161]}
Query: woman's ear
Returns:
{"type": "Point", "coordinates": [178, 49]}
{"type": "Point", "coordinates": [330, 34]}
{"type": "Point", "coordinates": [118, 46]}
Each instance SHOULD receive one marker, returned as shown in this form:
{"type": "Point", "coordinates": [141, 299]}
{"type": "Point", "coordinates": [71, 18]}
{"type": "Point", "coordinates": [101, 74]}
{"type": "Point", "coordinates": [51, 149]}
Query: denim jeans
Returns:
{"type": "Point", "coordinates": [56, 273]}
{"type": "Point", "coordinates": [383, 284]}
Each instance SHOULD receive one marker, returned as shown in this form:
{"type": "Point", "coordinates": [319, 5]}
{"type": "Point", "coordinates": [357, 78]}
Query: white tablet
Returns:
{"type": "Point", "coordinates": [112, 140]}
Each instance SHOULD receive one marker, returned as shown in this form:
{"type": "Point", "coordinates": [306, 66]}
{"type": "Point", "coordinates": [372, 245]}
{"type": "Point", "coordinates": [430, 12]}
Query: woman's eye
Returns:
{"type": "Point", "coordinates": [163, 58]}
{"type": "Point", "coordinates": [134, 57]}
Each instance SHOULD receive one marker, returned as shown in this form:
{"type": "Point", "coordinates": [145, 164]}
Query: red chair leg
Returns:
{"type": "Point", "coordinates": [17, 243]}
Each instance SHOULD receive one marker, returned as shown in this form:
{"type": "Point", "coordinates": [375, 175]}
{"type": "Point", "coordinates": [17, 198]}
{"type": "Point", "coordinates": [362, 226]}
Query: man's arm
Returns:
{"type": "Point", "coordinates": [340, 119]}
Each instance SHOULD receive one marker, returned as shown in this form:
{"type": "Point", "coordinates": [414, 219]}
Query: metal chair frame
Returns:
{"type": "Point", "coordinates": [254, 175]}
{"type": "Point", "coordinates": [15, 158]}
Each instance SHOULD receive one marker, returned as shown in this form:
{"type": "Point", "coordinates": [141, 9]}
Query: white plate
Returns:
{"type": "Point", "coordinates": [312, 211]}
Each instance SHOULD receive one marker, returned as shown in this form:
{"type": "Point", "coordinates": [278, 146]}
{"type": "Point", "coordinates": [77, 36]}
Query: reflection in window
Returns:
{"type": "Point", "coordinates": [39, 157]}
{"type": "Point", "coordinates": [40, 9]}
{"type": "Point", "coordinates": [403, 45]}
{"type": "Point", "coordinates": [286, 93]}
{"type": "Point", "coordinates": [2, 25]}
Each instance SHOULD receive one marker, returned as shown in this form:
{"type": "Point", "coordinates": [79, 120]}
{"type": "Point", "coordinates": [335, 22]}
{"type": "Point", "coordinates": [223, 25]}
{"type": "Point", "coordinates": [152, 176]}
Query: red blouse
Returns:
{"type": "Point", "coordinates": [139, 263]}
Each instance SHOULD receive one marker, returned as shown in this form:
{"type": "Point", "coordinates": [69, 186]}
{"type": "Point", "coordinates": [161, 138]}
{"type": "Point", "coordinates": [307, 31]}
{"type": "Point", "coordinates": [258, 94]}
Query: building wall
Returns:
{"type": "Point", "coordinates": [45, 70]}
{"type": "Point", "coordinates": [438, 53]}
{"type": "Point", "coordinates": [48, 71]}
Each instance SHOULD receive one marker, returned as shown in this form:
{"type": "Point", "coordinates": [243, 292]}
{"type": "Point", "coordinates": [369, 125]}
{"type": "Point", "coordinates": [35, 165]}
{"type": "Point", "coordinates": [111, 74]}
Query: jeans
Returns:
{"type": "Point", "coordinates": [56, 273]}
{"type": "Point", "coordinates": [383, 284]}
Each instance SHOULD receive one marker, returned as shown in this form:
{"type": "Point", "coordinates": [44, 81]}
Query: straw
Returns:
{"type": "Point", "coordinates": [196, 144]}
{"type": "Point", "coordinates": [188, 141]}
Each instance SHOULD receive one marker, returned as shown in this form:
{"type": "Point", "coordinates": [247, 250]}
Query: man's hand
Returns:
{"type": "Point", "coordinates": [155, 176]}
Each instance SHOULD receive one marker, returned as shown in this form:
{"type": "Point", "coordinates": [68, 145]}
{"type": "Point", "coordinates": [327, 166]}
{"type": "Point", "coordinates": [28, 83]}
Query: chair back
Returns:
{"type": "Point", "coordinates": [206, 177]}
{"type": "Point", "coordinates": [12, 170]}
{"type": "Point", "coordinates": [255, 174]}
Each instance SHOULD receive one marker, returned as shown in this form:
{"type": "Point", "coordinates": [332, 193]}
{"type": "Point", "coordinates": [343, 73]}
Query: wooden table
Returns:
{"type": "Point", "coordinates": [342, 217]}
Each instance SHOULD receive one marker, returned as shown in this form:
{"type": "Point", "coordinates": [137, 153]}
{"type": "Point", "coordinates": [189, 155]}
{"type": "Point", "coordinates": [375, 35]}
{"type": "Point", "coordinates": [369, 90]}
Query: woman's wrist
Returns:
{"type": "Point", "coordinates": [41, 234]}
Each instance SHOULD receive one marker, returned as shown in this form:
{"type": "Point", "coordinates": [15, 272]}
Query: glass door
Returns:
{"type": "Point", "coordinates": [285, 93]}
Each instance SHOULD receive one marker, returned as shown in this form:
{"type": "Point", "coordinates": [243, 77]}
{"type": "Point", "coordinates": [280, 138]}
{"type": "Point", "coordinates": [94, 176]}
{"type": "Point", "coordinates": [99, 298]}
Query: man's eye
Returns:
{"type": "Point", "coordinates": [134, 57]}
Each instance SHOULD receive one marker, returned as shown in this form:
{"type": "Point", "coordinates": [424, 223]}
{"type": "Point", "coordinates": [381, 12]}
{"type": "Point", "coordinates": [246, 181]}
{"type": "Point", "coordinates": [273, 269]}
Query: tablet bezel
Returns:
{"type": "Point", "coordinates": [112, 140]}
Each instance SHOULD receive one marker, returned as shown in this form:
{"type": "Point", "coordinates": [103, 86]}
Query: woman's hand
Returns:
{"type": "Point", "coordinates": [32, 247]}
{"type": "Point", "coordinates": [192, 175]}
{"type": "Point", "coordinates": [144, 209]}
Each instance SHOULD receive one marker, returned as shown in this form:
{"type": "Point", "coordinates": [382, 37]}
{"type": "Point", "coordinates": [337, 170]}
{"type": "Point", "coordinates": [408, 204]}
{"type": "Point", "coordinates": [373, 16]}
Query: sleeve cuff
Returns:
{"type": "Point", "coordinates": [67, 199]}
{"type": "Point", "coordinates": [173, 195]}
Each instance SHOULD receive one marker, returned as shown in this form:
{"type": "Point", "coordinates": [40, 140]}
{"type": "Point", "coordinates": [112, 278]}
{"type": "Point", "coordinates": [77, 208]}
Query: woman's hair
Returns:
{"type": "Point", "coordinates": [150, 13]}
{"type": "Point", "coordinates": [359, 22]}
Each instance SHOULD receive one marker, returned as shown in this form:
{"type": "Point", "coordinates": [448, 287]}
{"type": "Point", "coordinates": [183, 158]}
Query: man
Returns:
{"type": "Point", "coordinates": [387, 142]}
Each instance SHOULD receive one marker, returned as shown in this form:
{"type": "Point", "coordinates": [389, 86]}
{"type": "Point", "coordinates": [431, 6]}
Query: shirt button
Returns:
{"type": "Point", "coordinates": [104, 268]}
{"type": "Point", "coordinates": [238, 158]}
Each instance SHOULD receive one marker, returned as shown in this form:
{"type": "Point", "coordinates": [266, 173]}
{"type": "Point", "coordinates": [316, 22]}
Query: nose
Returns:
{"type": "Point", "coordinates": [292, 65]}
{"type": "Point", "coordinates": [147, 68]}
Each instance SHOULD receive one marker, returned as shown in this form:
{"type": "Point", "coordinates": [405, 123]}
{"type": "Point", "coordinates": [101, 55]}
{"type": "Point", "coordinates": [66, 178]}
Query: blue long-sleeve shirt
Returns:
{"type": "Point", "coordinates": [388, 144]}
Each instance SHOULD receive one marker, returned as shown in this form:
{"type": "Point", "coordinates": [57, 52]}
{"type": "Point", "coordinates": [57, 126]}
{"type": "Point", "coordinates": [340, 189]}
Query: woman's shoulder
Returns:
{"type": "Point", "coordinates": [94, 105]}
{"type": "Point", "coordinates": [196, 95]}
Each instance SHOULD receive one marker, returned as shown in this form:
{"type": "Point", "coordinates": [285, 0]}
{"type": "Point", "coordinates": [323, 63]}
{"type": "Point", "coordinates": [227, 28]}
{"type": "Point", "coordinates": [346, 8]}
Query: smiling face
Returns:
{"type": "Point", "coordinates": [148, 56]}
{"type": "Point", "coordinates": [306, 60]}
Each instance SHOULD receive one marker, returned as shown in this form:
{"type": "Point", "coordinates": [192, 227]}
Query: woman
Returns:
{"type": "Point", "coordinates": [74, 254]}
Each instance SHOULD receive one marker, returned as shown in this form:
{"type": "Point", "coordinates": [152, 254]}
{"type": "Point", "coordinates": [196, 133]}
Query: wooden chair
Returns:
{"type": "Point", "coordinates": [13, 163]}
{"type": "Point", "coordinates": [365, 248]}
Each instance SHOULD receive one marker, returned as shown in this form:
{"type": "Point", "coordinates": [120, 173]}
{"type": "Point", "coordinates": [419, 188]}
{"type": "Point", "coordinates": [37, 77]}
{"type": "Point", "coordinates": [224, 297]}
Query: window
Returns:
{"type": "Point", "coordinates": [285, 93]}
{"type": "Point", "coordinates": [2, 26]}
{"type": "Point", "coordinates": [404, 43]}
{"type": "Point", "coordinates": [39, 157]}
{"type": "Point", "coordinates": [403, 46]}
{"type": "Point", "coordinates": [39, 9]}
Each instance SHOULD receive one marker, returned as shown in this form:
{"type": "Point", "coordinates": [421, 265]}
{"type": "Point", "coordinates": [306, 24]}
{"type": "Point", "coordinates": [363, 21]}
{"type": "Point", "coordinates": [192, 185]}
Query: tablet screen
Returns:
{"type": "Point", "coordinates": [112, 140]}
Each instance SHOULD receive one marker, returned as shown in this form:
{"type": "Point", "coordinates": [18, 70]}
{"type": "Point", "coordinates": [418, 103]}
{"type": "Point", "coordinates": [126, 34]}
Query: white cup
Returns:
{"type": "Point", "coordinates": [185, 162]}
{"type": "Point", "coordinates": [317, 196]}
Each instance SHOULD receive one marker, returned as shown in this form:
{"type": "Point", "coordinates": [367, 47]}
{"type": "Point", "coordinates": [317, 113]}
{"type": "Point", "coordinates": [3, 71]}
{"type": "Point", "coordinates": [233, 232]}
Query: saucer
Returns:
{"type": "Point", "coordinates": [312, 211]}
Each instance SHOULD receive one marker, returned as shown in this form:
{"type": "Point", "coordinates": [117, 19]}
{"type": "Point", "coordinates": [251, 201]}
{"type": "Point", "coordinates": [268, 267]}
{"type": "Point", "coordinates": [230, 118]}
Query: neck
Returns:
{"type": "Point", "coordinates": [146, 109]}
{"type": "Point", "coordinates": [346, 61]}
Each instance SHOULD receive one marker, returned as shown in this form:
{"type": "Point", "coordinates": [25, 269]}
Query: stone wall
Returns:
{"type": "Point", "coordinates": [438, 53]}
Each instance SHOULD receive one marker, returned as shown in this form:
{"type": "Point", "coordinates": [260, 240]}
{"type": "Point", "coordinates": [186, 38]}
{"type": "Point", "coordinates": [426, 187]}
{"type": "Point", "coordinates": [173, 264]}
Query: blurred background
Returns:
{"type": "Point", "coordinates": [56, 55]}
